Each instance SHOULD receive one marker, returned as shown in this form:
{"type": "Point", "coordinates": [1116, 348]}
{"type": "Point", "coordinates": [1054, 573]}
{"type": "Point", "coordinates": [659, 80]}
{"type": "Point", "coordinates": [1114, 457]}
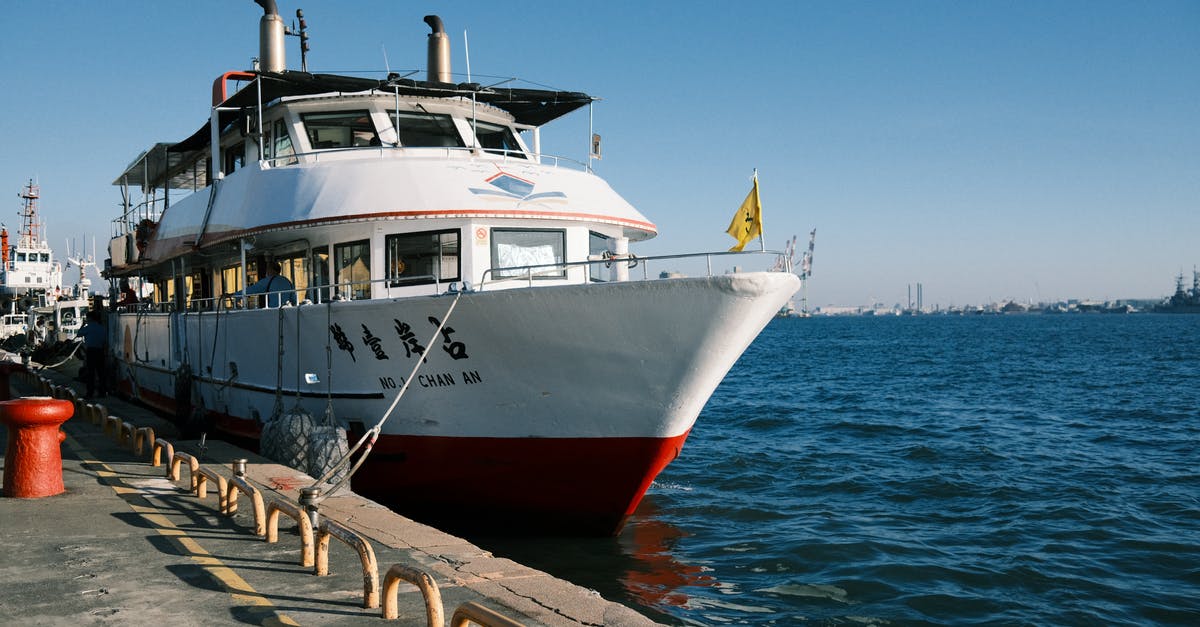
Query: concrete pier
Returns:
{"type": "Point", "coordinates": [126, 544]}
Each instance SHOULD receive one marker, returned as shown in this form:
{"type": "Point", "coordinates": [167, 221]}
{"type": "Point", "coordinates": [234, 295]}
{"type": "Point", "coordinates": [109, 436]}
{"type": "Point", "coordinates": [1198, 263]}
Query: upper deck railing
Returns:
{"type": "Point", "coordinates": [384, 151]}
{"type": "Point", "coordinates": [149, 210]}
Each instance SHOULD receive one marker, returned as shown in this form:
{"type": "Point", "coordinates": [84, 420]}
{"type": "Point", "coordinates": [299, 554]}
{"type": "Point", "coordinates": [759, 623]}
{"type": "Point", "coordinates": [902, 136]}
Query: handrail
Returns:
{"type": "Point", "coordinates": [314, 156]}
{"type": "Point", "coordinates": [238, 485]}
{"type": "Point", "coordinates": [125, 433]}
{"type": "Point", "coordinates": [147, 209]}
{"type": "Point", "coordinates": [527, 272]}
{"type": "Point", "coordinates": [203, 475]}
{"type": "Point", "coordinates": [142, 436]}
{"type": "Point", "coordinates": [366, 556]}
{"type": "Point", "coordinates": [215, 303]}
{"type": "Point", "coordinates": [434, 611]}
{"type": "Point", "coordinates": [156, 452]}
{"type": "Point", "coordinates": [488, 278]}
{"type": "Point", "coordinates": [303, 523]}
{"type": "Point", "coordinates": [193, 466]}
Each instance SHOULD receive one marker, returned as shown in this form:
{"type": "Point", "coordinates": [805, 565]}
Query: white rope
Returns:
{"type": "Point", "coordinates": [68, 357]}
{"type": "Point", "coordinates": [373, 433]}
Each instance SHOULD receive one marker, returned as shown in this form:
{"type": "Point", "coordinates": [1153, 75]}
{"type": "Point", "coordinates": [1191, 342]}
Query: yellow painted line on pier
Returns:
{"type": "Point", "coordinates": [233, 584]}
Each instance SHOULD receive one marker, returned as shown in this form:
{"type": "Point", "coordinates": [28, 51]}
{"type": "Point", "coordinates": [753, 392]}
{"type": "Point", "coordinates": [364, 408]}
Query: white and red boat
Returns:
{"type": "Point", "coordinates": [558, 388]}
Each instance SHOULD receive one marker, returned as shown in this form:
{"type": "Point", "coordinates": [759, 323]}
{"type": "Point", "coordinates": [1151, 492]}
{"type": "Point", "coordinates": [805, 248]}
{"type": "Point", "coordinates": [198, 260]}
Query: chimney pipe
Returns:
{"type": "Point", "coordinates": [439, 51]}
{"type": "Point", "coordinates": [271, 57]}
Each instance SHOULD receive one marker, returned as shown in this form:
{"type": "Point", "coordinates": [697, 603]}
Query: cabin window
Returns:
{"type": "Point", "coordinates": [164, 291]}
{"type": "Point", "coordinates": [293, 269]}
{"type": "Point", "coordinates": [20, 256]}
{"type": "Point", "coordinates": [235, 157]}
{"type": "Point", "coordinates": [280, 143]}
{"type": "Point", "coordinates": [514, 248]}
{"type": "Point", "coordinates": [45, 257]}
{"type": "Point", "coordinates": [497, 138]}
{"type": "Point", "coordinates": [320, 275]}
{"type": "Point", "coordinates": [417, 129]}
{"type": "Point", "coordinates": [346, 129]}
{"type": "Point", "coordinates": [352, 267]}
{"type": "Point", "coordinates": [598, 244]}
{"type": "Point", "coordinates": [231, 279]}
{"type": "Point", "coordinates": [197, 291]}
{"type": "Point", "coordinates": [421, 258]}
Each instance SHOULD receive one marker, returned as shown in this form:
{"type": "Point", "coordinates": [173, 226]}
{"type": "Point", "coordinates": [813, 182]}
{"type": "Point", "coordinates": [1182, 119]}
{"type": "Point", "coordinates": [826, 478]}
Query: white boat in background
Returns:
{"type": "Point", "coordinates": [56, 318]}
{"type": "Point", "coordinates": [28, 270]}
{"type": "Point", "coordinates": [556, 390]}
{"type": "Point", "coordinates": [31, 289]}
{"type": "Point", "coordinates": [13, 324]}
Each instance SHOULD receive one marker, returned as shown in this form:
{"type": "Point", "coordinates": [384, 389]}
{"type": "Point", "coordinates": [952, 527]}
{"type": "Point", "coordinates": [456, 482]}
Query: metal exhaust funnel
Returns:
{"type": "Point", "coordinates": [271, 54]}
{"type": "Point", "coordinates": [439, 51]}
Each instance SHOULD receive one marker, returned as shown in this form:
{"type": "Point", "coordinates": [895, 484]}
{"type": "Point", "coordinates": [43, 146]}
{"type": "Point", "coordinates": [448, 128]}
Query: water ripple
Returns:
{"type": "Point", "coordinates": [991, 470]}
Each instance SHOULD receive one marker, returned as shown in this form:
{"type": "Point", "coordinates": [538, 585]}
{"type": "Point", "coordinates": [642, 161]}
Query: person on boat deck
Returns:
{"type": "Point", "coordinates": [95, 337]}
{"type": "Point", "coordinates": [272, 284]}
{"type": "Point", "coordinates": [128, 296]}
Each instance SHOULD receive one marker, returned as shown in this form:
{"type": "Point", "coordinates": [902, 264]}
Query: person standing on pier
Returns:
{"type": "Point", "coordinates": [95, 338]}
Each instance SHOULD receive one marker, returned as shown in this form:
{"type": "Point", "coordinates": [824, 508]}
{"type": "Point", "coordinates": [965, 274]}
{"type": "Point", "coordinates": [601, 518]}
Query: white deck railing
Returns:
{"type": "Point", "coordinates": [382, 288]}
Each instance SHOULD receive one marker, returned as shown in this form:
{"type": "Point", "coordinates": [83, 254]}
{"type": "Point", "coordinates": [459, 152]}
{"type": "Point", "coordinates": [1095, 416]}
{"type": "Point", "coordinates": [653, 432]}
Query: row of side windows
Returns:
{"type": "Point", "coordinates": [410, 259]}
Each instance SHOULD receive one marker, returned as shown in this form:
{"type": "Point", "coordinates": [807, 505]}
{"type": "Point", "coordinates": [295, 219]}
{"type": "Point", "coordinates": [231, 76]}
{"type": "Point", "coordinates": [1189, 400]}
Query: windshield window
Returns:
{"type": "Point", "coordinates": [279, 144]}
{"type": "Point", "coordinates": [497, 138]}
{"type": "Point", "coordinates": [346, 129]}
{"type": "Point", "coordinates": [418, 129]}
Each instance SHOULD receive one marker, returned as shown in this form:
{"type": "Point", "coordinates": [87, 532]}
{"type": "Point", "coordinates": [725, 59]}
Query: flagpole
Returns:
{"type": "Point", "coordinates": [762, 238]}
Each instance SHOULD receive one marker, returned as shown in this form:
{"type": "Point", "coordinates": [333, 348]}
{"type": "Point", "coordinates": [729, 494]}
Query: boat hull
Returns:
{"type": "Point", "coordinates": [570, 486]}
{"type": "Point", "coordinates": [554, 407]}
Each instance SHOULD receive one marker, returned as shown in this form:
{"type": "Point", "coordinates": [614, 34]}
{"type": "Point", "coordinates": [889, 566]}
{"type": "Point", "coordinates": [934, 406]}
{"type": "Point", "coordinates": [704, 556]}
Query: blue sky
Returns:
{"type": "Point", "coordinates": [988, 150]}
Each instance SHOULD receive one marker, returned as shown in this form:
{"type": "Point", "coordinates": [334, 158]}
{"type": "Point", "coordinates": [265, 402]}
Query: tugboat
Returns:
{"type": "Point", "coordinates": [400, 253]}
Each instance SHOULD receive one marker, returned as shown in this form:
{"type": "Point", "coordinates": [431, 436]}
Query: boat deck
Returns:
{"type": "Point", "coordinates": [127, 544]}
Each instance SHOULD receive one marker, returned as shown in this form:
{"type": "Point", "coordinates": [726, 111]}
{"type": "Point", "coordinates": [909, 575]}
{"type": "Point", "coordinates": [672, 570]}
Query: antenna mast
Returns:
{"type": "Point", "coordinates": [303, 35]}
{"type": "Point", "coordinates": [31, 228]}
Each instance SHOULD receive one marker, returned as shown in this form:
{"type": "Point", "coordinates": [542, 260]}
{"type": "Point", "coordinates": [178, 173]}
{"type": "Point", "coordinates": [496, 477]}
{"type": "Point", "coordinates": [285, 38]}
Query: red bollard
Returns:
{"type": "Point", "coordinates": [33, 460]}
{"type": "Point", "coordinates": [7, 368]}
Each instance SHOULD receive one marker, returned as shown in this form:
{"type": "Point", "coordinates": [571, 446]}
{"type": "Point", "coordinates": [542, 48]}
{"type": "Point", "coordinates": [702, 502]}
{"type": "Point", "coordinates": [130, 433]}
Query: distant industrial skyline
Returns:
{"type": "Point", "coordinates": [990, 151]}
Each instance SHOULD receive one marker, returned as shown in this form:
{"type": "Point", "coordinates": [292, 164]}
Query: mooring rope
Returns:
{"type": "Point", "coordinates": [372, 434]}
{"type": "Point", "coordinates": [78, 343]}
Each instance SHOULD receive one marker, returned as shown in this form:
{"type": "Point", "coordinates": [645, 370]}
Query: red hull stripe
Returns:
{"type": "Point", "coordinates": [574, 485]}
{"type": "Point", "coordinates": [592, 484]}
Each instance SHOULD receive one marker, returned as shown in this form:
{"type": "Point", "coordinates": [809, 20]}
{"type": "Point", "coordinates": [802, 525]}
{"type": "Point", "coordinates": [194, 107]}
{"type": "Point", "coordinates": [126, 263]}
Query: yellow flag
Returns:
{"type": "Point", "coordinates": [747, 222]}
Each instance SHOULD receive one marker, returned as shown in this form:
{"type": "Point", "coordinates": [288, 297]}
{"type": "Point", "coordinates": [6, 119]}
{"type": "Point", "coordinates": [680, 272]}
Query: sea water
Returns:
{"type": "Point", "coordinates": [1032, 469]}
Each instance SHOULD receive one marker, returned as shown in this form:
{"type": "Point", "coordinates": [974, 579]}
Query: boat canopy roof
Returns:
{"type": "Point", "coordinates": [157, 164]}
{"type": "Point", "coordinates": [169, 163]}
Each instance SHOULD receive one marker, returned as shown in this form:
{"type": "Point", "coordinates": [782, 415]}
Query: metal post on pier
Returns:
{"type": "Point", "coordinates": [310, 498]}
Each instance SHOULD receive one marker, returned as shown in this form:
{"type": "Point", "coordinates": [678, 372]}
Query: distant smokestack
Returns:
{"type": "Point", "coordinates": [439, 51]}
{"type": "Point", "coordinates": [271, 55]}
